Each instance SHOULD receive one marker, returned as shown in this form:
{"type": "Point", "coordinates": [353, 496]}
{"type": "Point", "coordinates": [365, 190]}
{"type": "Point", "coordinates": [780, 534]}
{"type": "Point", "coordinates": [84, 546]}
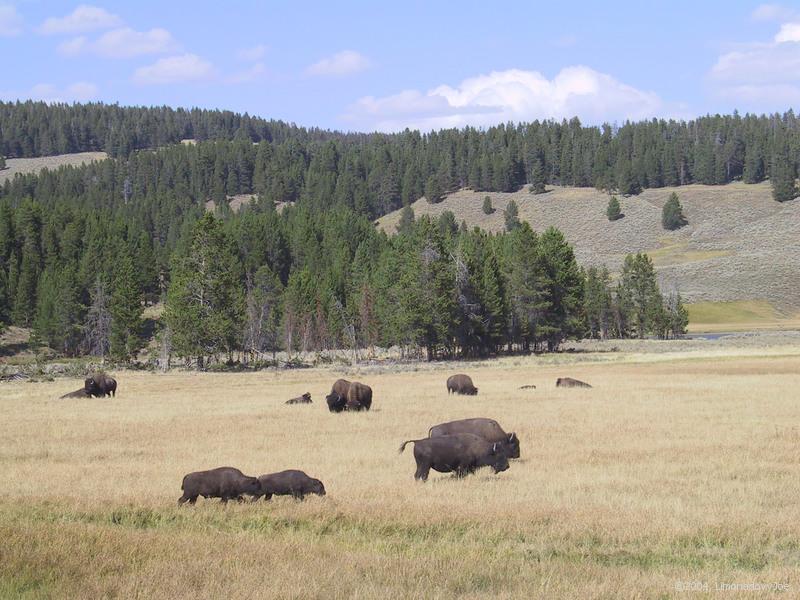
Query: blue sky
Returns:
{"type": "Point", "coordinates": [380, 66]}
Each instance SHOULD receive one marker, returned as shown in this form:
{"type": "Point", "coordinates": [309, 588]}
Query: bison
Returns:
{"type": "Point", "coordinates": [570, 382]}
{"type": "Point", "coordinates": [461, 453]}
{"type": "Point", "coordinates": [304, 399]}
{"type": "Point", "coordinates": [100, 385]}
{"type": "Point", "coordinates": [488, 429]}
{"type": "Point", "coordinates": [461, 384]}
{"type": "Point", "coordinates": [81, 393]}
{"type": "Point", "coordinates": [223, 482]}
{"type": "Point", "coordinates": [346, 395]}
{"type": "Point", "coordinates": [292, 483]}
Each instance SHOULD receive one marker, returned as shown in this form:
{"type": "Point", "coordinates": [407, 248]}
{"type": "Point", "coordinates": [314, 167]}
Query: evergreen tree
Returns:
{"type": "Point", "coordinates": [406, 224]}
{"type": "Point", "coordinates": [433, 190]}
{"type": "Point", "coordinates": [487, 205]}
{"type": "Point", "coordinates": [97, 340]}
{"type": "Point", "coordinates": [263, 313]}
{"type": "Point", "coordinates": [511, 216]}
{"type": "Point", "coordinates": [782, 176]}
{"type": "Point", "coordinates": [537, 178]}
{"type": "Point", "coordinates": [640, 289]}
{"type": "Point", "coordinates": [2, 162]}
{"type": "Point", "coordinates": [672, 213]}
{"type": "Point", "coordinates": [613, 211]}
{"type": "Point", "coordinates": [677, 317]}
{"type": "Point", "coordinates": [598, 302]}
{"type": "Point", "coordinates": [205, 306]}
{"type": "Point", "coordinates": [126, 310]}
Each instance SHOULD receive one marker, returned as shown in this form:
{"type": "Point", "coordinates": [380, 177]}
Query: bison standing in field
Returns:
{"type": "Point", "coordinates": [462, 454]}
{"type": "Point", "coordinates": [289, 483]}
{"type": "Point", "coordinates": [100, 385]}
{"type": "Point", "coordinates": [304, 399]}
{"type": "Point", "coordinates": [461, 384]}
{"type": "Point", "coordinates": [347, 395]}
{"type": "Point", "coordinates": [488, 429]}
{"type": "Point", "coordinates": [226, 483]}
{"type": "Point", "coordinates": [570, 382]}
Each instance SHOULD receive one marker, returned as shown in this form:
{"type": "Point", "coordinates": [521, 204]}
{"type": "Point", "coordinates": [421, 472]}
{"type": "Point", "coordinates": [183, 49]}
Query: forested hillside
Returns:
{"type": "Point", "coordinates": [81, 248]}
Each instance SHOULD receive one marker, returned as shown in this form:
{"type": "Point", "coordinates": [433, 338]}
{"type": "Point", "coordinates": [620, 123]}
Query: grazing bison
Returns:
{"type": "Point", "coordinates": [488, 429]}
{"type": "Point", "coordinates": [81, 393]}
{"type": "Point", "coordinates": [304, 399]}
{"type": "Point", "coordinates": [226, 483]}
{"type": "Point", "coordinates": [461, 453]}
{"type": "Point", "coordinates": [100, 385]}
{"type": "Point", "coordinates": [359, 396]}
{"type": "Point", "coordinates": [570, 382]}
{"type": "Point", "coordinates": [289, 483]}
{"type": "Point", "coordinates": [347, 395]}
{"type": "Point", "coordinates": [461, 384]}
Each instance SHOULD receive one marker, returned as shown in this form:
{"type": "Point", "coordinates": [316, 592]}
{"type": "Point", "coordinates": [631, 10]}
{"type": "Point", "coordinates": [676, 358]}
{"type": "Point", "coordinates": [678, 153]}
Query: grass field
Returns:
{"type": "Point", "coordinates": [34, 165]}
{"type": "Point", "coordinates": [741, 315]}
{"type": "Point", "coordinates": [668, 470]}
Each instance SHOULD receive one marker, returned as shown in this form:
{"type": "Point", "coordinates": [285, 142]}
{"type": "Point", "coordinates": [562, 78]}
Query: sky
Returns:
{"type": "Point", "coordinates": [369, 66]}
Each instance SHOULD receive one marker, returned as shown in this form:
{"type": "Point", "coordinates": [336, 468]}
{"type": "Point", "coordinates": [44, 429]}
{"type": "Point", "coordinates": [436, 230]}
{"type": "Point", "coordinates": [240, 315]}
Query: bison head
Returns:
{"type": "Point", "coordinates": [335, 402]}
{"type": "Point", "coordinates": [251, 486]}
{"type": "Point", "coordinates": [512, 446]}
{"type": "Point", "coordinates": [91, 387]}
{"type": "Point", "coordinates": [499, 460]}
{"type": "Point", "coordinates": [318, 488]}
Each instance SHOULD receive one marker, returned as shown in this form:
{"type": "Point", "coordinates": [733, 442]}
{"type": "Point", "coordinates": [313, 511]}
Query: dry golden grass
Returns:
{"type": "Point", "coordinates": [34, 165]}
{"type": "Point", "coordinates": [667, 470]}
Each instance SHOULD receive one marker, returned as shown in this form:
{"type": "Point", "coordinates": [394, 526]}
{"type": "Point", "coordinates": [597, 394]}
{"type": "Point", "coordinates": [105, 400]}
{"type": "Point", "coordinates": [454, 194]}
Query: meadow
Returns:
{"type": "Point", "coordinates": [670, 471]}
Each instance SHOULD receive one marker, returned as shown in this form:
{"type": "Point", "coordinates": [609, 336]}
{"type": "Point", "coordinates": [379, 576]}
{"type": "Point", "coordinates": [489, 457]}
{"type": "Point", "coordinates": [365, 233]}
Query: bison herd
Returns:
{"type": "Point", "coordinates": [460, 447]}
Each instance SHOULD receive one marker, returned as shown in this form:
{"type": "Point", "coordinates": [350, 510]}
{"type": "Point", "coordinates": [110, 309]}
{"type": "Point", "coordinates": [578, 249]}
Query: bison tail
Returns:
{"type": "Point", "coordinates": [403, 445]}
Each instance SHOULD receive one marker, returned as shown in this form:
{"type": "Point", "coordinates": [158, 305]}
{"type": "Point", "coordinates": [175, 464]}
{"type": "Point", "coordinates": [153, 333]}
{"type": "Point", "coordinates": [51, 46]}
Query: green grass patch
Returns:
{"type": "Point", "coordinates": [737, 313]}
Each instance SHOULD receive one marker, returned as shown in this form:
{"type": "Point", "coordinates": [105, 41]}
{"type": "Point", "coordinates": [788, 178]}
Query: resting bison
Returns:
{"type": "Point", "coordinates": [461, 384]}
{"type": "Point", "coordinates": [223, 482]}
{"type": "Point", "coordinates": [100, 385]}
{"type": "Point", "coordinates": [347, 395]}
{"type": "Point", "coordinates": [304, 399]}
{"type": "Point", "coordinates": [461, 453]}
{"type": "Point", "coordinates": [81, 393]}
{"type": "Point", "coordinates": [289, 483]}
{"type": "Point", "coordinates": [488, 429]}
{"type": "Point", "coordinates": [570, 382]}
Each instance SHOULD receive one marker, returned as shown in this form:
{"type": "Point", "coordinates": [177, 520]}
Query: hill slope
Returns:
{"type": "Point", "coordinates": [739, 243]}
{"type": "Point", "coordinates": [34, 165]}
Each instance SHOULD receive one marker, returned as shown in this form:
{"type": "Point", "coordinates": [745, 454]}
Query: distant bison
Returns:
{"type": "Point", "coordinates": [570, 382]}
{"type": "Point", "coordinates": [461, 453]}
{"type": "Point", "coordinates": [530, 386]}
{"type": "Point", "coordinates": [81, 393]}
{"type": "Point", "coordinates": [100, 385]}
{"type": "Point", "coordinates": [226, 483]}
{"type": "Point", "coordinates": [289, 483]}
{"type": "Point", "coordinates": [346, 395]}
{"type": "Point", "coordinates": [304, 399]}
{"type": "Point", "coordinates": [461, 384]}
{"type": "Point", "coordinates": [488, 429]}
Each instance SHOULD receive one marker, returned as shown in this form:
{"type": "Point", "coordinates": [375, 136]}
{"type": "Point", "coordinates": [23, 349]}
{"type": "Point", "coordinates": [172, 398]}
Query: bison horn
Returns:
{"type": "Point", "coordinates": [494, 447]}
{"type": "Point", "coordinates": [511, 437]}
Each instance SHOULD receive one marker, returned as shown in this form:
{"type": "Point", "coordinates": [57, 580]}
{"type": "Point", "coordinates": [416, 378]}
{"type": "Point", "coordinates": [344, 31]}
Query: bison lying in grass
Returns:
{"type": "Point", "coordinates": [570, 382]}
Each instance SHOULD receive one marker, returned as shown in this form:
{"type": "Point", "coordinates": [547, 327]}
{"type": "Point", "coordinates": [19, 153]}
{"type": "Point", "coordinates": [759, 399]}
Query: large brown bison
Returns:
{"type": "Point", "coordinates": [304, 399]}
{"type": "Point", "coordinates": [488, 429]}
{"type": "Point", "coordinates": [461, 384]}
{"type": "Point", "coordinates": [100, 385]}
{"type": "Point", "coordinates": [289, 483]}
{"type": "Point", "coordinates": [570, 382]}
{"type": "Point", "coordinates": [461, 453]}
{"type": "Point", "coordinates": [347, 395]}
{"type": "Point", "coordinates": [226, 483]}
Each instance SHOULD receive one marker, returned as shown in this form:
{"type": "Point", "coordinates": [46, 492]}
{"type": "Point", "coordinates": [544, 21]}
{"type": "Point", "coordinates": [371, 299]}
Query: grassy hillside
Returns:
{"type": "Point", "coordinates": [34, 165]}
{"type": "Point", "coordinates": [739, 243]}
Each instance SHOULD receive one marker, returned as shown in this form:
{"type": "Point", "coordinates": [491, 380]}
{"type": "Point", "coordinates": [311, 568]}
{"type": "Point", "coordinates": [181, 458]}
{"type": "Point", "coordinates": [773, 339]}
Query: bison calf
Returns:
{"type": "Point", "coordinates": [461, 384]}
{"type": "Point", "coordinates": [289, 483]}
{"type": "Point", "coordinates": [226, 483]}
{"type": "Point", "coordinates": [488, 429]}
{"type": "Point", "coordinates": [304, 399]}
{"type": "Point", "coordinates": [570, 382]}
{"type": "Point", "coordinates": [461, 454]}
{"type": "Point", "coordinates": [81, 393]}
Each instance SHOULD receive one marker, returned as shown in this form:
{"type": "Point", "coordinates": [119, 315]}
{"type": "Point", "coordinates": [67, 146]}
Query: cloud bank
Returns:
{"type": "Point", "coordinates": [83, 19]}
{"type": "Point", "coordinates": [340, 64]}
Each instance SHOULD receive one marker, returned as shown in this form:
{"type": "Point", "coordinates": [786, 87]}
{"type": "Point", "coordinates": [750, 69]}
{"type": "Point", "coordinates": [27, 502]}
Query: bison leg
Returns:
{"type": "Point", "coordinates": [184, 498]}
{"type": "Point", "coordinates": [422, 472]}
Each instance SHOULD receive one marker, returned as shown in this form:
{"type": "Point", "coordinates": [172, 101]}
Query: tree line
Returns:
{"type": "Point", "coordinates": [377, 173]}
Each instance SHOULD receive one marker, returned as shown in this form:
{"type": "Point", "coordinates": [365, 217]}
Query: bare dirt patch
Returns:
{"type": "Point", "coordinates": [34, 165]}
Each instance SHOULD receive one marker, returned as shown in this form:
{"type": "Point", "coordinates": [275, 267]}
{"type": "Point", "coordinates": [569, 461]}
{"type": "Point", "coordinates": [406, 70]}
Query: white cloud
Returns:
{"type": "Point", "coordinates": [10, 21]}
{"type": "Point", "coordinates": [83, 19]}
{"type": "Point", "coordinates": [183, 68]}
{"type": "Point", "coordinates": [252, 54]}
{"type": "Point", "coordinates": [80, 91]}
{"type": "Point", "coordinates": [122, 43]}
{"type": "Point", "coordinates": [254, 73]}
{"type": "Point", "coordinates": [342, 63]}
{"type": "Point", "coordinates": [513, 95]}
{"type": "Point", "coordinates": [772, 12]}
{"type": "Point", "coordinates": [761, 75]}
